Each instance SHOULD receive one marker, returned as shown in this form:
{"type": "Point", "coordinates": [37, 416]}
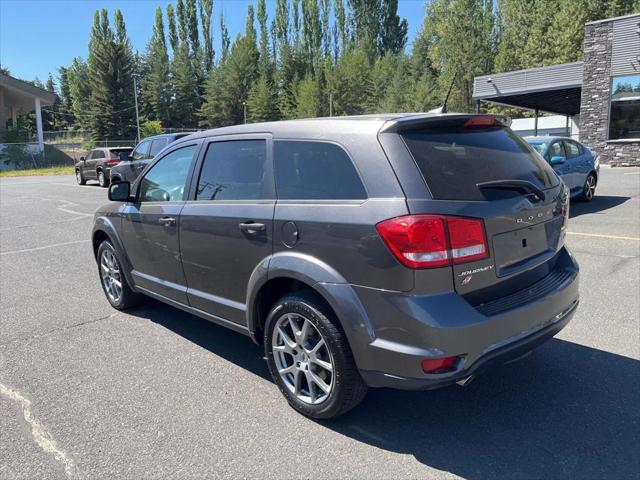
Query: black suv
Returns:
{"type": "Point", "coordinates": [406, 251]}
{"type": "Point", "coordinates": [129, 169]}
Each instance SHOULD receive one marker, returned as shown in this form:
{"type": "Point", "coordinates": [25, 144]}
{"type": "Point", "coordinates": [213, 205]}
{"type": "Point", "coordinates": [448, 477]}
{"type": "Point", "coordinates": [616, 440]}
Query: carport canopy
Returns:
{"type": "Point", "coordinates": [553, 89]}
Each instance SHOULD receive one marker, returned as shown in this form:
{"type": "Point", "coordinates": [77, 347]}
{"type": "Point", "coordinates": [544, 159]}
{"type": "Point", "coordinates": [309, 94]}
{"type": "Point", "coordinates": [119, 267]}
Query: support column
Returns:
{"type": "Point", "coordinates": [14, 117]}
{"type": "Point", "coordinates": [477, 106]}
{"type": "Point", "coordinates": [39, 125]}
{"type": "Point", "coordinates": [535, 124]}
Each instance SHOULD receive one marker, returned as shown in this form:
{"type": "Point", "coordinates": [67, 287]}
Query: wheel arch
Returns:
{"type": "Point", "coordinates": [105, 230]}
{"type": "Point", "coordinates": [288, 272]}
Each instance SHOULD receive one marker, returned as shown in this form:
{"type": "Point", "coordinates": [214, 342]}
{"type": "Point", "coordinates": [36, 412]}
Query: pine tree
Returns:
{"type": "Point", "coordinates": [80, 92]}
{"type": "Point", "coordinates": [66, 107]}
{"type": "Point", "coordinates": [123, 66]}
{"type": "Point", "coordinates": [350, 83]}
{"type": "Point", "coordinates": [341, 31]}
{"type": "Point", "coordinates": [156, 83]}
{"type": "Point", "coordinates": [173, 33]}
{"type": "Point", "coordinates": [261, 105]}
{"type": "Point", "coordinates": [224, 38]}
{"type": "Point", "coordinates": [50, 117]}
{"type": "Point", "coordinates": [265, 61]}
{"type": "Point", "coordinates": [308, 98]}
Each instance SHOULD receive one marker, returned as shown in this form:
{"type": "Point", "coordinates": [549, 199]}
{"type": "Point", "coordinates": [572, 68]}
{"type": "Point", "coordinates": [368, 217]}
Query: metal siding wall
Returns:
{"type": "Point", "coordinates": [626, 45]}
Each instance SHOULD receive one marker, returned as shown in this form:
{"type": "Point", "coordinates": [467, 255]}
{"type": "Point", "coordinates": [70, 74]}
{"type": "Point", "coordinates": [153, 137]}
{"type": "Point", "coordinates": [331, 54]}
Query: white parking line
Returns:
{"type": "Point", "coordinates": [25, 250]}
{"type": "Point", "coordinates": [40, 435]}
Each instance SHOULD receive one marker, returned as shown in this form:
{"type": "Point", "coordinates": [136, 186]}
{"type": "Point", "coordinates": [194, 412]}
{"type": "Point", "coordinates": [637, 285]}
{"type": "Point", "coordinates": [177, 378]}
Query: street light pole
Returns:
{"type": "Point", "coordinates": [135, 96]}
{"type": "Point", "coordinates": [244, 109]}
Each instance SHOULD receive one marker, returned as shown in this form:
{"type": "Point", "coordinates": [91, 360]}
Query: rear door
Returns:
{"type": "Point", "coordinates": [474, 167]}
{"type": "Point", "coordinates": [578, 163]}
{"type": "Point", "coordinates": [226, 227]}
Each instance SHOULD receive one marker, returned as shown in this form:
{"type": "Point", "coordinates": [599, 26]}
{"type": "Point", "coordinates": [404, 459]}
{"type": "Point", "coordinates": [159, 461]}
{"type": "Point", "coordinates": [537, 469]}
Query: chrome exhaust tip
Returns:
{"type": "Point", "coordinates": [465, 381]}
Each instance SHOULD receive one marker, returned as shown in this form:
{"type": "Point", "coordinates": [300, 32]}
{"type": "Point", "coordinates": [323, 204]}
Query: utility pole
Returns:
{"type": "Point", "coordinates": [244, 109]}
{"type": "Point", "coordinates": [331, 104]}
{"type": "Point", "coordinates": [135, 96]}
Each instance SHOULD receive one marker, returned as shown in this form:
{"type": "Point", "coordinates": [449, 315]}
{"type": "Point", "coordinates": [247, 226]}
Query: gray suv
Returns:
{"type": "Point", "coordinates": [406, 251]}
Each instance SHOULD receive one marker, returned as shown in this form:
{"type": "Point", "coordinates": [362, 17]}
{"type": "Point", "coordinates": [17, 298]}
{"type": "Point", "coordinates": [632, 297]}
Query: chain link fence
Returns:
{"type": "Point", "coordinates": [61, 148]}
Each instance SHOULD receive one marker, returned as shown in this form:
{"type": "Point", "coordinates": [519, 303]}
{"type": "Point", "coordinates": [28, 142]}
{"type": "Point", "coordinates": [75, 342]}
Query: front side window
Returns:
{"type": "Point", "coordinates": [233, 170]}
{"type": "Point", "coordinates": [140, 153]}
{"type": "Point", "coordinates": [556, 150]}
{"type": "Point", "coordinates": [167, 179]}
{"type": "Point", "coordinates": [315, 171]}
{"type": "Point", "coordinates": [624, 120]}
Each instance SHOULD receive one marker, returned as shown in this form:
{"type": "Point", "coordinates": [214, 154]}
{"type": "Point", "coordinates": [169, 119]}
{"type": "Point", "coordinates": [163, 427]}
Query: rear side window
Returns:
{"type": "Point", "coordinates": [156, 146]}
{"type": "Point", "coordinates": [315, 171]}
{"type": "Point", "coordinates": [97, 154]}
{"type": "Point", "coordinates": [233, 170]}
{"type": "Point", "coordinates": [453, 158]}
{"type": "Point", "coordinates": [573, 150]}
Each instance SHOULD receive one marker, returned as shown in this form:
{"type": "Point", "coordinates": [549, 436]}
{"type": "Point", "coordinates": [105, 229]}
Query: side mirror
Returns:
{"type": "Point", "coordinates": [558, 160]}
{"type": "Point", "coordinates": [120, 192]}
{"type": "Point", "coordinates": [124, 156]}
{"type": "Point", "coordinates": [82, 159]}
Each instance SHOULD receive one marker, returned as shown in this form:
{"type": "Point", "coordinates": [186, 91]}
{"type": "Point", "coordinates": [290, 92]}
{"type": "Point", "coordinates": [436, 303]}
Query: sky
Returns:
{"type": "Point", "coordinates": [38, 36]}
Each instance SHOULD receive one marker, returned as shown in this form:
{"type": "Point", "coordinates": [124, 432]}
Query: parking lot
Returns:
{"type": "Point", "coordinates": [87, 392]}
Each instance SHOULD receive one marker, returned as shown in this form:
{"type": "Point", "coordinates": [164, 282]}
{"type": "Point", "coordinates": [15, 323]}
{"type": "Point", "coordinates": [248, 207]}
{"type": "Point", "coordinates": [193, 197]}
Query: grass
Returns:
{"type": "Point", "coordinates": [64, 170]}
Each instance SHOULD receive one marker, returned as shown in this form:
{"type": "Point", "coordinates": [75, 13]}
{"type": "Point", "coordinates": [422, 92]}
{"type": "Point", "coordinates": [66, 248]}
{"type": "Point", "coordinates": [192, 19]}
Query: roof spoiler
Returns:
{"type": "Point", "coordinates": [413, 121]}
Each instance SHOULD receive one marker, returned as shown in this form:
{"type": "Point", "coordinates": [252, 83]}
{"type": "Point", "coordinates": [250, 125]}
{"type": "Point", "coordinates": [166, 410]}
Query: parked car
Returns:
{"type": "Point", "coordinates": [576, 164]}
{"type": "Point", "coordinates": [407, 251]}
{"type": "Point", "coordinates": [98, 163]}
{"type": "Point", "coordinates": [130, 168]}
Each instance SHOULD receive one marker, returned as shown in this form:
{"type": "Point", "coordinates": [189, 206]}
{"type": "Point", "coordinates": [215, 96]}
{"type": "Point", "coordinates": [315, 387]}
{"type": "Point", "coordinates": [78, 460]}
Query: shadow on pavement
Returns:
{"type": "Point", "coordinates": [598, 204]}
{"type": "Point", "coordinates": [566, 411]}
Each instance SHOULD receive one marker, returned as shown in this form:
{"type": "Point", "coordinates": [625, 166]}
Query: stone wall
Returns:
{"type": "Point", "coordinates": [594, 110]}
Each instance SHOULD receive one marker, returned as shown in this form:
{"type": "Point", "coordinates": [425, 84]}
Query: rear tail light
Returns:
{"type": "Point", "coordinates": [482, 122]}
{"type": "Point", "coordinates": [428, 241]}
{"type": "Point", "coordinates": [112, 161]}
{"type": "Point", "coordinates": [439, 365]}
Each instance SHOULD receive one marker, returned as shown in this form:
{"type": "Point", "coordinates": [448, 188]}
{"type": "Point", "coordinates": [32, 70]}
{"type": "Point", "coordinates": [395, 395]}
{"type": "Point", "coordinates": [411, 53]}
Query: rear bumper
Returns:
{"type": "Point", "coordinates": [408, 329]}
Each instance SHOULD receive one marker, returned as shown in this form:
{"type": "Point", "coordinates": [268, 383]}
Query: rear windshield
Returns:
{"type": "Point", "coordinates": [120, 150]}
{"type": "Point", "coordinates": [454, 159]}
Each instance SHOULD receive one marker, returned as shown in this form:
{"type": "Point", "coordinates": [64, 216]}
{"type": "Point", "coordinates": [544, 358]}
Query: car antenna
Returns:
{"type": "Point", "coordinates": [443, 108]}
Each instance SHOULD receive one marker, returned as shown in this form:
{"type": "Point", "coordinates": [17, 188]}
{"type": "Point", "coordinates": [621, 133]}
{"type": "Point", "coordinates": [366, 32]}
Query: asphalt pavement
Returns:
{"type": "Point", "coordinates": [89, 392]}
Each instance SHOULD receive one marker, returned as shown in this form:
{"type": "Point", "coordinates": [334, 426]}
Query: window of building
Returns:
{"type": "Point", "coordinates": [624, 119]}
{"type": "Point", "coordinates": [315, 171]}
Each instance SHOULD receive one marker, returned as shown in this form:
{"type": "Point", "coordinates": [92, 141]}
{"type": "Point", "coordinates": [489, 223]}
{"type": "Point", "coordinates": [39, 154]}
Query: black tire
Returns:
{"type": "Point", "coordinates": [79, 177]}
{"type": "Point", "coordinates": [128, 297]}
{"type": "Point", "coordinates": [102, 179]}
{"type": "Point", "coordinates": [348, 388]}
{"type": "Point", "coordinates": [589, 188]}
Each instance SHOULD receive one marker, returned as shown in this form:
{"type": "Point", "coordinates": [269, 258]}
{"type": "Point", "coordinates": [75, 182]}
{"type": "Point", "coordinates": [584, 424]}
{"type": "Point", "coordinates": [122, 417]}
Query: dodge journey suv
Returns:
{"type": "Point", "coordinates": [406, 251]}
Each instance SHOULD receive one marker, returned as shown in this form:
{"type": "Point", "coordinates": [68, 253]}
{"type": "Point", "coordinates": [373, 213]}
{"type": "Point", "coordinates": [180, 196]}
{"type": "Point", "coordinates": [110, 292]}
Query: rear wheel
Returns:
{"type": "Point", "coordinates": [79, 177]}
{"type": "Point", "coordinates": [113, 281]}
{"type": "Point", "coordinates": [589, 189]}
{"type": "Point", "coordinates": [102, 179]}
{"type": "Point", "coordinates": [310, 359]}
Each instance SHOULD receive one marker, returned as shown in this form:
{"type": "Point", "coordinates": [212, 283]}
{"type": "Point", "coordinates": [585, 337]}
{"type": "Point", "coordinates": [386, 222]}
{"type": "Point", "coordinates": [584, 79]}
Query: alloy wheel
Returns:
{"type": "Point", "coordinates": [111, 276]}
{"type": "Point", "coordinates": [302, 358]}
{"type": "Point", "coordinates": [590, 187]}
{"type": "Point", "coordinates": [101, 179]}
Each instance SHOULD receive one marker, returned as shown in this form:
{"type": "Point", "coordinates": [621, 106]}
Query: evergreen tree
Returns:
{"type": "Point", "coordinates": [341, 31]}
{"type": "Point", "coordinates": [265, 62]}
{"type": "Point", "coordinates": [156, 83]}
{"type": "Point", "coordinates": [123, 66]}
{"type": "Point", "coordinates": [350, 83]}
{"type": "Point", "coordinates": [80, 93]}
{"type": "Point", "coordinates": [261, 105]}
{"type": "Point", "coordinates": [224, 38]}
{"type": "Point", "coordinates": [66, 107]}
{"type": "Point", "coordinates": [308, 98]}
{"type": "Point", "coordinates": [50, 117]}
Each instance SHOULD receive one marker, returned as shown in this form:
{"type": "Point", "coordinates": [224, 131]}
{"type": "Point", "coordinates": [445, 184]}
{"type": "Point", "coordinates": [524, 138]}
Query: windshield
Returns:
{"type": "Point", "coordinates": [454, 158]}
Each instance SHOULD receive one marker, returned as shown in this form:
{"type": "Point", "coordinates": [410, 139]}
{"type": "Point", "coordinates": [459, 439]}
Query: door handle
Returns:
{"type": "Point", "coordinates": [252, 227]}
{"type": "Point", "coordinates": [167, 221]}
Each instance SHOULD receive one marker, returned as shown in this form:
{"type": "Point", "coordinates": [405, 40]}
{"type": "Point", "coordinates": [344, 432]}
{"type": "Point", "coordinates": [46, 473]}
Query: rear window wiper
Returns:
{"type": "Point", "coordinates": [514, 185]}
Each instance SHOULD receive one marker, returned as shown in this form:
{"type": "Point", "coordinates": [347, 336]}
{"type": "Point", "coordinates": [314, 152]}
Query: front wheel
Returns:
{"type": "Point", "coordinates": [589, 189]}
{"type": "Point", "coordinates": [102, 179]}
{"type": "Point", "coordinates": [112, 278]}
{"type": "Point", "coordinates": [310, 359]}
{"type": "Point", "coordinates": [79, 177]}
